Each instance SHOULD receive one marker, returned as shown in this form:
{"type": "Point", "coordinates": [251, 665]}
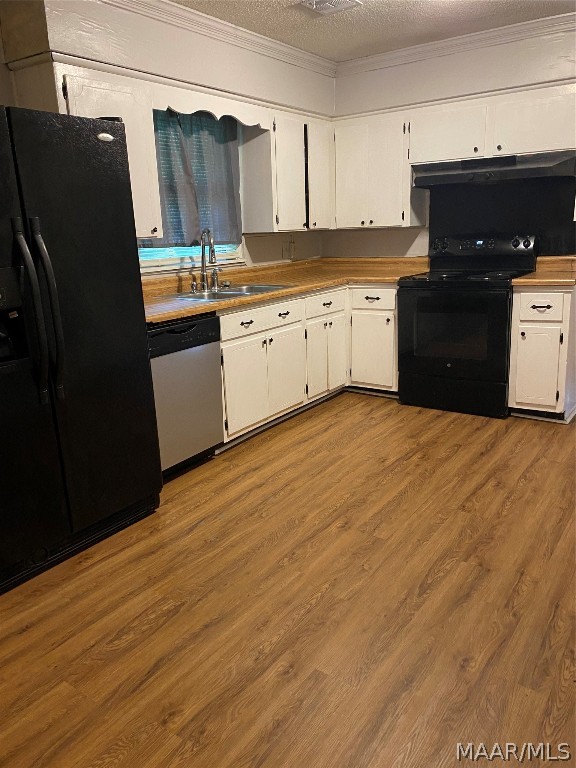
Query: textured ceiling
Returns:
{"type": "Point", "coordinates": [378, 25]}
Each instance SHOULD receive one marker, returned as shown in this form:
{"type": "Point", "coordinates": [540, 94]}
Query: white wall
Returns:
{"type": "Point", "coordinates": [283, 246]}
{"type": "Point", "coordinates": [346, 243]}
{"type": "Point", "coordinates": [170, 41]}
{"type": "Point", "coordinates": [471, 65]}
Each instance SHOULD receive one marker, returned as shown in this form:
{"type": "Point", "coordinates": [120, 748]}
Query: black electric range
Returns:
{"type": "Point", "coordinates": [454, 323]}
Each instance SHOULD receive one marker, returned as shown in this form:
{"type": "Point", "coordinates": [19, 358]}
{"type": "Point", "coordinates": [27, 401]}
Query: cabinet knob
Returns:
{"type": "Point", "coordinates": [475, 149]}
{"type": "Point", "coordinates": [387, 321]}
{"type": "Point", "coordinates": [499, 147]}
{"type": "Point", "coordinates": [522, 334]}
{"type": "Point", "coordinates": [270, 341]}
{"type": "Point", "coordinates": [153, 230]}
{"type": "Point", "coordinates": [314, 224]}
{"type": "Point", "coordinates": [330, 325]}
{"type": "Point", "coordinates": [362, 222]}
{"type": "Point", "coordinates": [371, 221]}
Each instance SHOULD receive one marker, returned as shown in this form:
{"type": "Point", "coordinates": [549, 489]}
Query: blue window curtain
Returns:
{"type": "Point", "coordinates": [199, 176]}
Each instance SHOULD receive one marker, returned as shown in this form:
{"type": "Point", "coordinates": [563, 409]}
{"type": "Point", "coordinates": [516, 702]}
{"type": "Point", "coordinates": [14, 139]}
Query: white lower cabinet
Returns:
{"type": "Point", "coordinates": [264, 373]}
{"type": "Point", "coordinates": [542, 365]}
{"type": "Point", "coordinates": [286, 357]}
{"type": "Point", "coordinates": [326, 354]}
{"type": "Point", "coordinates": [373, 347]}
{"type": "Point", "coordinates": [326, 342]}
{"type": "Point", "coordinates": [245, 369]}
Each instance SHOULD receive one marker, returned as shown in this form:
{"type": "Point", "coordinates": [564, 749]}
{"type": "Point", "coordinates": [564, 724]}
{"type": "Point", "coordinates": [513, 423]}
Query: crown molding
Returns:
{"type": "Point", "coordinates": [564, 24]}
{"type": "Point", "coordinates": [208, 26]}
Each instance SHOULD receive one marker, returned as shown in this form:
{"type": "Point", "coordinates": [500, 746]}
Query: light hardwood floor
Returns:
{"type": "Point", "coordinates": [362, 586]}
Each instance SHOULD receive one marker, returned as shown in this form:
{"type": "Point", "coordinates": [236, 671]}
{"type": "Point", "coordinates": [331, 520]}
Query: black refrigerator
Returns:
{"type": "Point", "coordinates": [79, 453]}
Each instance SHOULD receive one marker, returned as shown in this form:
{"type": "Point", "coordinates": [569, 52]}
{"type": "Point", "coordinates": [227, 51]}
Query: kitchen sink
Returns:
{"type": "Point", "coordinates": [248, 289]}
{"type": "Point", "coordinates": [228, 293]}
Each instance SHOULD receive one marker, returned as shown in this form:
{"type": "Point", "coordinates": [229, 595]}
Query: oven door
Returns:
{"type": "Point", "coordinates": [454, 334]}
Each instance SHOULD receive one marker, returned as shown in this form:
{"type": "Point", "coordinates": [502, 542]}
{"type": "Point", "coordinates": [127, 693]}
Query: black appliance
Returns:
{"type": "Point", "coordinates": [454, 323]}
{"type": "Point", "coordinates": [79, 451]}
{"type": "Point", "coordinates": [491, 170]}
{"type": "Point", "coordinates": [524, 193]}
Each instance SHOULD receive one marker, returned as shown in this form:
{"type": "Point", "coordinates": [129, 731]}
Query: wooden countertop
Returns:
{"type": "Point", "coordinates": [161, 292]}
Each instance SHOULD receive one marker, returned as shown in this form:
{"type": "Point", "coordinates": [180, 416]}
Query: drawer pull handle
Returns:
{"type": "Point", "coordinates": [372, 298]}
{"type": "Point", "coordinates": [246, 323]}
{"type": "Point", "coordinates": [283, 314]}
{"type": "Point", "coordinates": [541, 306]}
{"type": "Point", "coordinates": [327, 304]}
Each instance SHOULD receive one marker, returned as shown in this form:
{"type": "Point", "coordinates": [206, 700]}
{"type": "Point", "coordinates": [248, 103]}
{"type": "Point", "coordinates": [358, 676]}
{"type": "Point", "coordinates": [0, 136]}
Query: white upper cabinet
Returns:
{"type": "Point", "coordinates": [290, 166]}
{"type": "Point", "coordinates": [131, 101]}
{"type": "Point", "coordinates": [352, 157]}
{"type": "Point", "coordinates": [541, 120]}
{"type": "Point", "coordinates": [369, 172]}
{"type": "Point", "coordinates": [273, 175]}
{"type": "Point", "coordinates": [447, 134]}
{"type": "Point", "coordinates": [533, 124]}
{"type": "Point", "coordinates": [320, 175]}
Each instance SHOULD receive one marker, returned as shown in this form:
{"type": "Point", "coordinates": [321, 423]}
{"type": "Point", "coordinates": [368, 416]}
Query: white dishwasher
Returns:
{"type": "Point", "coordinates": [187, 378]}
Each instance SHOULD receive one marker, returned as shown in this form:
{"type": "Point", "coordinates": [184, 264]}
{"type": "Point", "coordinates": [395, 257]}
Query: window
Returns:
{"type": "Point", "coordinates": [199, 177]}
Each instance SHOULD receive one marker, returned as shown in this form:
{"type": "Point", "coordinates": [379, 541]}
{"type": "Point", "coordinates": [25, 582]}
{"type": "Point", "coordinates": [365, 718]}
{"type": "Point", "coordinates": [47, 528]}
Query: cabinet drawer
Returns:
{"type": "Point", "coordinates": [323, 303]}
{"type": "Point", "coordinates": [374, 298]}
{"type": "Point", "coordinates": [541, 306]}
{"type": "Point", "coordinates": [240, 324]}
{"type": "Point", "coordinates": [285, 312]}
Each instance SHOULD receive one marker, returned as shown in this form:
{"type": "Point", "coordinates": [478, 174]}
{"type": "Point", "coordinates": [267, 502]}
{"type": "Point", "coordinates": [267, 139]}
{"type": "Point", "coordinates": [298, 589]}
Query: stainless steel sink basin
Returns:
{"type": "Point", "coordinates": [248, 289]}
{"type": "Point", "coordinates": [228, 293]}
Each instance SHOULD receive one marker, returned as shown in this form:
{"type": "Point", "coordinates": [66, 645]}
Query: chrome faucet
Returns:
{"type": "Point", "coordinates": [206, 239]}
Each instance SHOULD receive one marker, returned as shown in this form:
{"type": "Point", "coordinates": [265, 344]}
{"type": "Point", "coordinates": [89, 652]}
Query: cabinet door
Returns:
{"type": "Point", "coordinates": [286, 369]}
{"type": "Point", "coordinates": [448, 134]}
{"type": "Point", "coordinates": [245, 382]}
{"type": "Point", "coordinates": [538, 353]}
{"type": "Point", "coordinates": [352, 147]}
{"type": "Point", "coordinates": [290, 187]}
{"type": "Point", "coordinates": [321, 175]}
{"type": "Point", "coordinates": [133, 103]}
{"type": "Point", "coordinates": [317, 356]}
{"type": "Point", "coordinates": [373, 362]}
{"type": "Point", "coordinates": [534, 125]}
{"type": "Point", "coordinates": [337, 352]}
{"type": "Point", "coordinates": [384, 183]}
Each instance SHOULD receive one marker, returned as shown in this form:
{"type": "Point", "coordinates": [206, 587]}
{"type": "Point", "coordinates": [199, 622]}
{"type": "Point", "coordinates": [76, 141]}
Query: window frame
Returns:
{"type": "Point", "coordinates": [176, 262]}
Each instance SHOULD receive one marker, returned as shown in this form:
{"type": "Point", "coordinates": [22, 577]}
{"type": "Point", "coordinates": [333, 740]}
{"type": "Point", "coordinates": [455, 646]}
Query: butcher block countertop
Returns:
{"type": "Point", "coordinates": [162, 304]}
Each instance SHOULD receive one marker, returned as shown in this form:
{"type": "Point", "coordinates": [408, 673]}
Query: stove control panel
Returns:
{"type": "Point", "coordinates": [467, 245]}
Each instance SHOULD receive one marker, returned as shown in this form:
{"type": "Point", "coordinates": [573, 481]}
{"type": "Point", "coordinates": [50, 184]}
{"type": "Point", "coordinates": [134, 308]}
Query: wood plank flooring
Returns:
{"type": "Point", "coordinates": [362, 586]}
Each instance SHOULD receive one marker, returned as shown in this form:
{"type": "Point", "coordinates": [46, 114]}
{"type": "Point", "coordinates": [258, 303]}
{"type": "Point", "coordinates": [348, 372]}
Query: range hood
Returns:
{"type": "Point", "coordinates": [491, 170]}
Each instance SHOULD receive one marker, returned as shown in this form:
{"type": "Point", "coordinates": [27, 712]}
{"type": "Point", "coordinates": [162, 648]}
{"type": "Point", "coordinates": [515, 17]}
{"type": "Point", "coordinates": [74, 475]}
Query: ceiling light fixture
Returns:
{"type": "Point", "coordinates": [327, 7]}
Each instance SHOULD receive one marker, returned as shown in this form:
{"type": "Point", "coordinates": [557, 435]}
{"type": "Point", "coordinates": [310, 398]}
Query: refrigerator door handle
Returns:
{"type": "Point", "coordinates": [54, 304]}
{"type": "Point", "coordinates": [37, 304]}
